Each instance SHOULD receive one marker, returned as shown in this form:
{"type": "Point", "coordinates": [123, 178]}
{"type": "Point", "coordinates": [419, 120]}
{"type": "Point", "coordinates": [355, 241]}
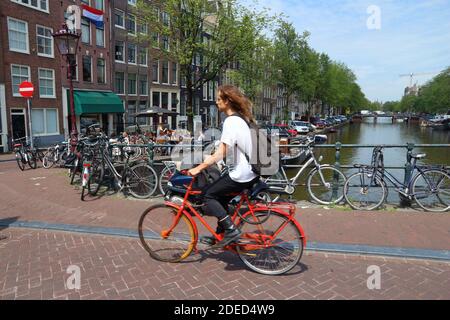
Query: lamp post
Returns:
{"type": "Point", "coordinates": [67, 43]}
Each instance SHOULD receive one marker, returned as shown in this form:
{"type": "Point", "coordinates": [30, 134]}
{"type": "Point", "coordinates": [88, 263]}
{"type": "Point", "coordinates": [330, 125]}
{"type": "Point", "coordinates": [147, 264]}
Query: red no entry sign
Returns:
{"type": "Point", "coordinates": [26, 89]}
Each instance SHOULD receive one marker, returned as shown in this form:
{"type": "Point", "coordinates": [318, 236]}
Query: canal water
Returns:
{"type": "Point", "coordinates": [381, 131]}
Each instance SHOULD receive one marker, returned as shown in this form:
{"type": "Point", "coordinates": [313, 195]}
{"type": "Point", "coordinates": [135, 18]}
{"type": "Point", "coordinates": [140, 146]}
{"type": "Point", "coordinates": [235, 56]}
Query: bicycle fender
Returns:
{"type": "Point", "coordinates": [194, 225]}
{"type": "Point", "coordinates": [281, 212]}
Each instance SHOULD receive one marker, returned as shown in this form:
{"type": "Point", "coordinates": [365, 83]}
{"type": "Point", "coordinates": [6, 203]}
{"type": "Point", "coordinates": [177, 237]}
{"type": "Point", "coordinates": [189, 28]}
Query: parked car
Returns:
{"type": "Point", "coordinates": [280, 132]}
{"type": "Point", "coordinates": [302, 126]}
{"type": "Point", "coordinates": [320, 124]}
{"type": "Point", "coordinates": [290, 129]}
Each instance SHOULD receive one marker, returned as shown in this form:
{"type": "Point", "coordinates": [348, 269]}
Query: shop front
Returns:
{"type": "Point", "coordinates": [95, 107]}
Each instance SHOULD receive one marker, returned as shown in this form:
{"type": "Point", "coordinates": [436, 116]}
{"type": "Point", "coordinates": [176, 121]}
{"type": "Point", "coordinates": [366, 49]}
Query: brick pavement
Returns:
{"type": "Point", "coordinates": [33, 265]}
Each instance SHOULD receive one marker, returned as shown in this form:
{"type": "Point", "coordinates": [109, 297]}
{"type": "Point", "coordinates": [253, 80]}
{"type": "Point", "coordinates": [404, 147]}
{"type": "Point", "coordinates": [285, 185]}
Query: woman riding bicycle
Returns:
{"type": "Point", "coordinates": [235, 139]}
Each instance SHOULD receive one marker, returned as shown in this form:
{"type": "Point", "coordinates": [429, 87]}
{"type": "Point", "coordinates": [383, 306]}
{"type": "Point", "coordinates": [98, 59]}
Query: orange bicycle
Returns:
{"type": "Point", "coordinates": [271, 243]}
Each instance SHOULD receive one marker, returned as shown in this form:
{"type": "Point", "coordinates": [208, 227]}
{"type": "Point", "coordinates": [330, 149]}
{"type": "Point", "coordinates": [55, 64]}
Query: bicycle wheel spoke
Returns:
{"type": "Point", "coordinates": [431, 190]}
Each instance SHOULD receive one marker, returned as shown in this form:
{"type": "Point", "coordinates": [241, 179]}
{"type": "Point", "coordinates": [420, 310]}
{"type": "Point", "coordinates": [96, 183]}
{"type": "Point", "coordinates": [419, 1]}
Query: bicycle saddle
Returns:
{"type": "Point", "coordinates": [418, 155]}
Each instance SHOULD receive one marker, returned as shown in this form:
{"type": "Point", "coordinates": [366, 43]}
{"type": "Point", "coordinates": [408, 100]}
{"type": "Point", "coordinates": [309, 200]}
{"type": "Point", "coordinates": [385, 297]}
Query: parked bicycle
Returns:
{"type": "Point", "coordinates": [272, 240]}
{"type": "Point", "coordinates": [136, 178]}
{"type": "Point", "coordinates": [55, 155]}
{"type": "Point", "coordinates": [324, 183]}
{"type": "Point", "coordinates": [24, 154]}
{"type": "Point", "coordinates": [428, 186]}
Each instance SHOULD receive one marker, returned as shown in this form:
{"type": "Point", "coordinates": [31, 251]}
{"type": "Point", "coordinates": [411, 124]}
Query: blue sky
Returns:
{"type": "Point", "coordinates": [414, 36]}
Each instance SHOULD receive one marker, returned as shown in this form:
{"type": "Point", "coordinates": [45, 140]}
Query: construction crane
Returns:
{"type": "Point", "coordinates": [412, 75]}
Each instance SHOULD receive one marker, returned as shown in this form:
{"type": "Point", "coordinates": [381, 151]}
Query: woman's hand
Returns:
{"type": "Point", "coordinates": [194, 171]}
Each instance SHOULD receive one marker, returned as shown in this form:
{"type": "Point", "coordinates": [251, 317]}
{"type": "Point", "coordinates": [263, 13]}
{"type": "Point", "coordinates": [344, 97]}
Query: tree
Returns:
{"type": "Point", "coordinates": [204, 36]}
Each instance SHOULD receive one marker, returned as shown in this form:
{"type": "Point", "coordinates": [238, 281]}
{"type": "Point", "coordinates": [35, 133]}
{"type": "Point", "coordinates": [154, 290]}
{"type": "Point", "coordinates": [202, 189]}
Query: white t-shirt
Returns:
{"type": "Point", "coordinates": [236, 131]}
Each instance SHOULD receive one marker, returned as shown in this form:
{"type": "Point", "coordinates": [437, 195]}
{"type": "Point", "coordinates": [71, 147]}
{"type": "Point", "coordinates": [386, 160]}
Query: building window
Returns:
{"type": "Point", "coordinates": [44, 121]}
{"type": "Point", "coordinates": [46, 83]}
{"type": "Point", "coordinates": [174, 101]}
{"type": "Point", "coordinates": [98, 4]}
{"type": "Point", "coordinates": [44, 41]}
{"type": "Point", "coordinates": [155, 99]}
{"type": "Point", "coordinates": [142, 108]}
{"type": "Point", "coordinates": [174, 73]}
{"type": "Point", "coordinates": [18, 35]}
{"type": "Point", "coordinates": [183, 101]}
{"type": "Point", "coordinates": [131, 112]}
{"type": "Point", "coordinates": [119, 18]}
{"type": "Point", "coordinates": [142, 59]}
{"type": "Point", "coordinates": [18, 75]}
{"type": "Point", "coordinates": [132, 83]}
{"type": "Point", "coordinates": [85, 31]}
{"type": "Point", "coordinates": [87, 69]}
{"type": "Point", "coordinates": [100, 37]}
{"type": "Point", "coordinates": [143, 85]}
{"type": "Point", "coordinates": [131, 53]}
{"type": "Point", "coordinates": [120, 83]}
{"type": "Point", "coordinates": [132, 2]}
{"type": "Point", "coordinates": [165, 72]}
{"type": "Point", "coordinates": [155, 71]}
{"type": "Point", "coordinates": [142, 28]}
{"type": "Point", "coordinates": [165, 100]}
{"type": "Point", "coordinates": [35, 4]}
{"type": "Point", "coordinates": [165, 42]}
{"type": "Point", "coordinates": [101, 71]}
{"type": "Point", "coordinates": [131, 24]}
{"type": "Point", "coordinates": [85, 2]}
{"type": "Point", "coordinates": [211, 90]}
{"type": "Point", "coordinates": [119, 52]}
{"type": "Point", "coordinates": [165, 18]}
{"type": "Point", "coordinates": [155, 39]}
{"type": "Point", "coordinates": [205, 91]}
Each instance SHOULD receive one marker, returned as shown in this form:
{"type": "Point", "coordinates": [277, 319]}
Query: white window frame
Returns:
{"type": "Point", "coordinates": [12, 82]}
{"type": "Point", "coordinates": [45, 123]}
{"type": "Point", "coordinates": [104, 71]}
{"type": "Point", "coordinates": [123, 52]}
{"type": "Point", "coordinates": [27, 51]}
{"type": "Point", "coordinates": [135, 25]}
{"type": "Point", "coordinates": [123, 83]}
{"type": "Point", "coordinates": [54, 84]}
{"type": "Point", "coordinates": [139, 86]}
{"type": "Point", "coordinates": [52, 55]}
{"type": "Point", "coordinates": [96, 38]}
{"type": "Point", "coordinates": [135, 54]}
{"type": "Point", "coordinates": [168, 73]}
{"type": "Point", "coordinates": [90, 32]}
{"type": "Point", "coordinates": [128, 85]}
{"type": "Point", "coordinates": [33, 7]}
{"type": "Point", "coordinates": [159, 66]}
{"type": "Point", "coordinates": [123, 19]}
{"type": "Point", "coordinates": [146, 57]}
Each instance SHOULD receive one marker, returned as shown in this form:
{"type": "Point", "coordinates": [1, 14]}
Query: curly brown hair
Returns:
{"type": "Point", "coordinates": [237, 100]}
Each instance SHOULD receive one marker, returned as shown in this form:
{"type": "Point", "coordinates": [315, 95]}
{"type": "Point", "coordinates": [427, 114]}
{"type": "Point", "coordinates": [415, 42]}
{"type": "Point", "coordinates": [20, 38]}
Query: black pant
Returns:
{"type": "Point", "coordinates": [216, 196]}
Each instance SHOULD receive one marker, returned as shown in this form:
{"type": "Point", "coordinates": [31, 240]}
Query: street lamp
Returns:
{"type": "Point", "coordinates": [67, 43]}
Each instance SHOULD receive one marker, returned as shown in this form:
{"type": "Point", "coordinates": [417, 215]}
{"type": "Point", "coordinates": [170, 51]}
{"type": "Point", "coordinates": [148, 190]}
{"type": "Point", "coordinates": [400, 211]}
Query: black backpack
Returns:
{"type": "Point", "coordinates": [266, 157]}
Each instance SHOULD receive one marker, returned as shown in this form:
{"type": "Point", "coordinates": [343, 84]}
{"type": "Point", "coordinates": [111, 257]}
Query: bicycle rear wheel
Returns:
{"type": "Point", "coordinates": [431, 190]}
{"type": "Point", "coordinates": [96, 177]}
{"type": "Point", "coordinates": [160, 244]}
{"type": "Point", "coordinates": [364, 192]}
{"type": "Point", "coordinates": [332, 191]}
{"type": "Point", "coordinates": [267, 255]}
{"type": "Point", "coordinates": [20, 160]}
{"type": "Point", "coordinates": [141, 181]}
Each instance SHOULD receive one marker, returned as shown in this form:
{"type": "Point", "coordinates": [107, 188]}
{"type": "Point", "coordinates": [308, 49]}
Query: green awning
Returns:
{"type": "Point", "coordinates": [97, 102]}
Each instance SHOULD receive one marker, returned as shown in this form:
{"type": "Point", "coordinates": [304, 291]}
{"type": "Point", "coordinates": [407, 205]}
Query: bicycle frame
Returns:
{"type": "Point", "coordinates": [189, 211]}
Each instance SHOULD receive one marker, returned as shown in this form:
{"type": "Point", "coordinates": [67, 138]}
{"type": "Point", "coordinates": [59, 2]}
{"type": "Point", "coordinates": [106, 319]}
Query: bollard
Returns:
{"type": "Point", "coordinates": [337, 164]}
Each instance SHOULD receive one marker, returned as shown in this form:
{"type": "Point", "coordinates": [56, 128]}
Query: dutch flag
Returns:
{"type": "Point", "coordinates": [96, 16]}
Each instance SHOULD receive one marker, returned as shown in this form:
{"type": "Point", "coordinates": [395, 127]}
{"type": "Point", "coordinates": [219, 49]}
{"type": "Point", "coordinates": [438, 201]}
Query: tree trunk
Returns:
{"type": "Point", "coordinates": [190, 107]}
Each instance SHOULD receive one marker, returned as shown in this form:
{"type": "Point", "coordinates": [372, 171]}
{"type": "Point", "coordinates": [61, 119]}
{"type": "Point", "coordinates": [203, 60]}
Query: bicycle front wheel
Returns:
{"type": "Point", "coordinates": [165, 238]}
{"type": "Point", "coordinates": [265, 253]}
{"type": "Point", "coordinates": [49, 159]}
{"type": "Point", "coordinates": [431, 190]}
{"type": "Point", "coordinates": [330, 189]}
{"type": "Point", "coordinates": [32, 162]}
{"type": "Point", "coordinates": [362, 191]}
{"type": "Point", "coordinates": [164, 178]}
